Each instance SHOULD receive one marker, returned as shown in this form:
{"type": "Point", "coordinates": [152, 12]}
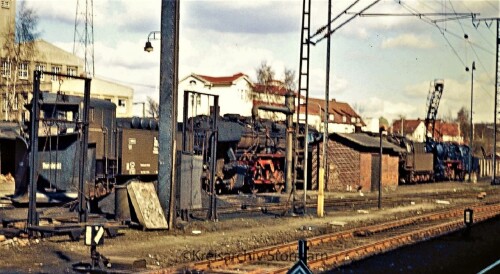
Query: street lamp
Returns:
{"type": "Point", "coordinates": [153, 36]}
{"type": "Point", "coordinates": [471, 124]}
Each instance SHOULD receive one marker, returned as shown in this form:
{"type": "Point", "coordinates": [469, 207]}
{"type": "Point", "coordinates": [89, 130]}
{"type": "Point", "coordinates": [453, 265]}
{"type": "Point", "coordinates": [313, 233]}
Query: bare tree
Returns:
{"type": "Point", "coordinates": [265, 74]}
{"type": "Point", "coordinates": [463, 120]}
{"type": "Point", "coordinates": [266, 79]}
{"type": "Point", "coordinates": [289, 79]}
{"type": "Point", "coordinates": [153, 108]}
{"type": "Point", "coordinates": [20, 51]}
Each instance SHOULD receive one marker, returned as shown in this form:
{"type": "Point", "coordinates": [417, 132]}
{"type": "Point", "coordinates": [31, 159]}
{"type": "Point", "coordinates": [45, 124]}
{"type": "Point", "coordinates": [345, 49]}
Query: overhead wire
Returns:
{"type": "Point", "coordinates": [445, 30]}
{"type": "Point", "coordinates": [344, 23]}
{"type": "Point", "coordinates": [347, 21]}
{"type": "Point", "coordinates": [324, 27]}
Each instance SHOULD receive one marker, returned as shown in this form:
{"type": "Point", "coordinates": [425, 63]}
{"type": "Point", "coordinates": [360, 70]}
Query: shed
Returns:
{"type": "Point", "coordinates": [353, 162]}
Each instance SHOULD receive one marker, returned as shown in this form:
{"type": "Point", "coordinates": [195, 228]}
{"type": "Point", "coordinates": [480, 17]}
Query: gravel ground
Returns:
{"type": "Point", "coordinates": [197, 240]}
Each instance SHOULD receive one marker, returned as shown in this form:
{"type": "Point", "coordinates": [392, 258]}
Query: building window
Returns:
{"type": "Point", "coordinates": [331, 117]}
{"type": "Point", "coordinates": [6, 104]}
{"type": "Point", "coordinates": [23, 71]}
{"type": "Point", "coordinates": [122, 103]}
{"type": "Point", "coordinates": [71, 71]}
{"type": "Point", "coordinates": [15, 102]}
{"type": "Point", "coordinates": [122, 106]}
{"type": "Point", "coordinates": [344, 119]}
{"type": "Point", "coordinates": [353, 120]}
{"type": "Point", "coordinates": [55, 69]}
{"type": "Point", "coordinates": [6, 4]}
{"type": "Point", "coordinates": [6, 65]}
{"type": "Point", "coordinates": [41, 67]}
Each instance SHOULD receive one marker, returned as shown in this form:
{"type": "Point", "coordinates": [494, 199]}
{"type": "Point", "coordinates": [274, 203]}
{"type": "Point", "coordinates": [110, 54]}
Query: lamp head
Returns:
{"type": "Point", "coordinates": [148, 47]}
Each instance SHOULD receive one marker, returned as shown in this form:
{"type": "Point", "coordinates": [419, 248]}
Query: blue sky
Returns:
{"type": "Point", "coordinates": [382, 66]}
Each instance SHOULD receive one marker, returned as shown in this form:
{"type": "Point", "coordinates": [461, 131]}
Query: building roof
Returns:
{"type": "Point", "coordinates": [442, 128]}
{"type": "Point", "coordinates": [409, 125]}
{"type": "Point", "coordinates": [275, 87]}
{"type": "Point", "coordinates": [220, 80]}
{"type": "Point", "coordinates": [50, 53]}
{"type": "Point", "coordinates": [338, 109]}
{"type": "Point", "coordinates": [366, 142]}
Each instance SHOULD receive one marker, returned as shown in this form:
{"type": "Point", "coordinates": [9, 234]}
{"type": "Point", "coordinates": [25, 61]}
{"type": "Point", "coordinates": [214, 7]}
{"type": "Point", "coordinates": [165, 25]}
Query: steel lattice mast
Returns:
{"type": "Point", "coordinates": [83, 38]}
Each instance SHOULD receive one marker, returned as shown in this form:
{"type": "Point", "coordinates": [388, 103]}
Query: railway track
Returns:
{"type": "Point", "coordinates": [335, 249]}
{"type": "Point", "coordinates": [339, 204]}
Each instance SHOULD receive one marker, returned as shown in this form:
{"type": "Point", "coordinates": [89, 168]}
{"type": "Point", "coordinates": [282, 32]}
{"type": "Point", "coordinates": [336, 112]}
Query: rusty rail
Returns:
{"type": "Point", "coordinates": [254, 255]}
{"type": "Point", "coordinates": [357, 253]}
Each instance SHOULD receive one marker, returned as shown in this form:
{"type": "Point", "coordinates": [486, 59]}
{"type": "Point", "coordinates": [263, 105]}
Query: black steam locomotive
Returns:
{"type": "Point", "coordinates": [434, 161]}
{"type": "Point", "coordinates": [250, 155]}
{"type": "Point", "coordinates": [118, 150]}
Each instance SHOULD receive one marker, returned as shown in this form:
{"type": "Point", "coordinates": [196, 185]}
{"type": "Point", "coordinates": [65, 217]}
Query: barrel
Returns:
{"type": "Point", "coordinates": [122, 206]}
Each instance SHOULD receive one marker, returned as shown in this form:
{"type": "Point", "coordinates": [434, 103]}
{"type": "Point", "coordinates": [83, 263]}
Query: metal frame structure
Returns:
{"type": "Point", "coordinates": [33, 156]}
{"type": "Point", "coordinates": [212, 211]}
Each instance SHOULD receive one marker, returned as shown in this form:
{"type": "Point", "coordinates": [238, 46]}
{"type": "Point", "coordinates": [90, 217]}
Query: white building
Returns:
{"type": "Point", "coordinates": [235, 94]}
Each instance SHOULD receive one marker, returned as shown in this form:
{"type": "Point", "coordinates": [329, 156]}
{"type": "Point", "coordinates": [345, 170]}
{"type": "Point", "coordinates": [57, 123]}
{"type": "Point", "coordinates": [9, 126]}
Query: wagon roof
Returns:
{"type": "Point", "coordinates": [368, 142]}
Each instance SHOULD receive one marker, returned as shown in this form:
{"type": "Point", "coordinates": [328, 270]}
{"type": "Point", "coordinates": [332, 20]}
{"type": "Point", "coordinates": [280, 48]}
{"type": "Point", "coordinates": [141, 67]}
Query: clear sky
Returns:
{"type": "Point", "coordinates": [381, 65]}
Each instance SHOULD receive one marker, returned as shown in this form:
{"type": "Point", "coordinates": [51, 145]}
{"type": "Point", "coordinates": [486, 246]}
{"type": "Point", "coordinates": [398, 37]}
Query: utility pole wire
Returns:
{"type": "Point", "coordinates": [320, 30]}
{"type": "Point", "coordinates": [343, 24]}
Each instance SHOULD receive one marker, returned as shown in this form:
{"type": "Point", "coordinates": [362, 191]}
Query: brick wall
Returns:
{"type": "Point", "coordinates": [343, 167]}
{"type": "Point", "coordinates": [348, 169]}
{"type": "Point", "coordinates": [365, 171]}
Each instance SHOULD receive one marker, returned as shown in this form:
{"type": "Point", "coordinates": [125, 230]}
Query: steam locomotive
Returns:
{"type": "Point", "coordinates": [434, 161]}
{"type": "Point", "coordinates": [250, 155]}
{"type": "Point", "coordinates": [118, 150]}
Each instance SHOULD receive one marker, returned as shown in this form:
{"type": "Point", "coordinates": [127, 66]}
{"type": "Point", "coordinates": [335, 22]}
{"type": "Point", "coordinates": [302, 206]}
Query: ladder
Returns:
{"type": "Point", "coordinates": [300, 147]}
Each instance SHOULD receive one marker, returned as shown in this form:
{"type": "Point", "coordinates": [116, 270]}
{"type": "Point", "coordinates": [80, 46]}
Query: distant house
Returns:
{"type": "Point", "coordinates": [447, 132]}
{"type": "Point", "coordinates": [353, 163]}
{"type": "Point", "coordinates": [415, 130]}
{"type": "Point", "coordinates": [235, 94]}
{"type": "Point", "coordinates": [272, 94]}
{"type": "Point", "coordinates": [238, 95]}
{"type": "Point", "coordinates": [411, 129]}
{"type": "Point", "coordinates": [341, 117]}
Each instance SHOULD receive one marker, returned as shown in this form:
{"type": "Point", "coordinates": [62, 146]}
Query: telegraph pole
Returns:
{"type": "Point", "coordinates": [488, 23]}
{"type": "Point", "coordinates": [169, 65]}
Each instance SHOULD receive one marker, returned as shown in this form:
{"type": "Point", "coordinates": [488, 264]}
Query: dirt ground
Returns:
{"type": "Point", "coordinates": [197, 240]}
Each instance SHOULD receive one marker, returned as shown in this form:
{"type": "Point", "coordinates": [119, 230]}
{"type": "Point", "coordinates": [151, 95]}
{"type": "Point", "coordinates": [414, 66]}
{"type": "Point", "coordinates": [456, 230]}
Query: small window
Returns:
{"type": "Point", "coordinates": [331, 117]}
{"type": "Point", "coordinates": [41, 67]}
{"type": "Point", "coordinates": [6, 4]}
{"type": "Point", "coordinates": [55, 69]}
{"type": "Point", "coordinates": [23, 71]}
{"type": "Point", "coordinates": [6, 66]}
{"type": "Point", "coordinates": [353, 120]}
{"type": "Point", "coordinates": [4, 103]}
{"type": "Point", "coordinates": [15, 102]}
{"type": "Point", "coordinates": [344, 119]}
{"type": "Point", "coordinates": [122, 103]}
{"type": "Point", "coordinates": [71, 71]}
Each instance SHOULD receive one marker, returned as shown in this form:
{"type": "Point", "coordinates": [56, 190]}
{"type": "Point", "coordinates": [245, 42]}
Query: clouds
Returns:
{"type": "Point", "coordinates": [243, 16]}
{"type": "Point", "coordinates": [382, 64]}
{"type": "Point", "coordinates": [409, 41]}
